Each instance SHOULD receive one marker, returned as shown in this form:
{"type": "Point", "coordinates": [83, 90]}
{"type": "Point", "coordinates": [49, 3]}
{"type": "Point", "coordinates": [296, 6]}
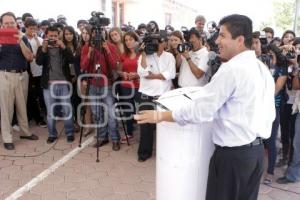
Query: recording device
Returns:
{"type": "Point", "coordinates": [8, 36]}
{"type": "Point", "coordinates": [186, 46]}
{"type": "Point", "coordinates": [152, 40]}
{"type": "Point", "coordinates": [51, 42]}
{"type": "Point", "coordinates": [214, 61]}
{"type": "Point", "coordinates": [98, 22]}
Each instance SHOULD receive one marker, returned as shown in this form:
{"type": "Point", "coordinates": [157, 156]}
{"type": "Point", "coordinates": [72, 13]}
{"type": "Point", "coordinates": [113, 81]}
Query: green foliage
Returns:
{"type": "Point", "coordinates": [284, 14]}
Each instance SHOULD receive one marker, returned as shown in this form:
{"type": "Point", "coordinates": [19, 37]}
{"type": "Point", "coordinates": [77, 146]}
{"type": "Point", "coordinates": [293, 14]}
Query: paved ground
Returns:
{"type": "Point", "coordinates": [118, 175]}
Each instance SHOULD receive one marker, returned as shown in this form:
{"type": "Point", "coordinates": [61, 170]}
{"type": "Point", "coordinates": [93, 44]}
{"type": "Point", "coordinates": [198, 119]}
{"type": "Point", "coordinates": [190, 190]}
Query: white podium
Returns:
{"type": "Point", "coordinates": [183, 154]}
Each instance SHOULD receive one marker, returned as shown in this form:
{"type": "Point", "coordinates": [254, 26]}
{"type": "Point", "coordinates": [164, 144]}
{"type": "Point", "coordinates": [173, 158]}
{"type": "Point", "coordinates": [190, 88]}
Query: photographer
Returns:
{"type": "Point", "coordinates": [287, 119]}
{"type": "Point", "coordinates": [56, 78]}
{"type": "Point", "coordinates": [292, 173]}
{"type": "Point", "coordinates": [156, 71]}
{"type": "Point", "coordinates": [257, 46]}
{"type": "Point", "coordinates": [193, 62]}
{"type": "Point", "coordinates": [101, 59]}
{"type": "Point", "coordinates": [278, 70]}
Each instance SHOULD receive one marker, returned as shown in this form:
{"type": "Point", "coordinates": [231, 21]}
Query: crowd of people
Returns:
{"type": "Point", "coordinates": [52, 70]}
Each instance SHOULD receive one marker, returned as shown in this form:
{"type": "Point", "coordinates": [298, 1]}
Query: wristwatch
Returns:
{"type": "Point", "coordinates": [188, 58]}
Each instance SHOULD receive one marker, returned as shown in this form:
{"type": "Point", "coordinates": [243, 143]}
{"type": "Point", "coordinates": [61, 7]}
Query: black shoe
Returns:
{"type": "Point", "coordinates": [101, 143]}
{"type": "Point", "coordinates": [70, 138]}
{"type": "Point", "coordinates": [31, 137]}
{"type": "Point", "coordinates": [142, 159]}
{"type": "Point", "coordinates": [42, 124]}
{"type": "Point", "coordinates": [51, 139]}
{"type": "Point", "coordinates": [9, 146]}
{"type": "Point", "coordinates": [116, 146]}
{"type": "Point", "coordinates": [283, 180]}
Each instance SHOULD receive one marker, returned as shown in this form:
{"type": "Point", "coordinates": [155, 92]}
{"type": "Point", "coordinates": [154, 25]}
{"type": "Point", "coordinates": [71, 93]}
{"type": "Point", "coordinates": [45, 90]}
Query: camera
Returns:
{"type": "Point", "coordinates": [98, 22]}
{"type": "Point", "coordinates": [291, 54]}
{"type": "Point", "coordinates": [184, 47]}
{"type": "Point", "coordinates": [51, 42]}
{"type": "Point", "coordinates": [152, 40]}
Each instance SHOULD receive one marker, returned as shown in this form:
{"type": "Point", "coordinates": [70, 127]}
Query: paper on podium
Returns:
{"type": "Point", "coordinates": [181, 96]}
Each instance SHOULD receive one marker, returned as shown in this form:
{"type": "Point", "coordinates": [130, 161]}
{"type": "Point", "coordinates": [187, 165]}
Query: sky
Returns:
{"type": "Point", "coordinates": [257, 10]}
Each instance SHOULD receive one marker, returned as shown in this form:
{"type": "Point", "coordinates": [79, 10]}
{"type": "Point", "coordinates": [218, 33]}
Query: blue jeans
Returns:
{"type": "Point", "coordinates": [52, 102]}
{"type": "Point", "coordinates": [293, 171]}
{"type": "Point", "coordinates": [271, 143]}
{"type": "Point", "coordinates": [104, 114]}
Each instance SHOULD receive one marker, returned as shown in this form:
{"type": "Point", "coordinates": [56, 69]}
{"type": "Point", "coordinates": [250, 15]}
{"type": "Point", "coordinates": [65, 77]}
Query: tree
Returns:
{"type": "Point", "coordinates": [284, 14]}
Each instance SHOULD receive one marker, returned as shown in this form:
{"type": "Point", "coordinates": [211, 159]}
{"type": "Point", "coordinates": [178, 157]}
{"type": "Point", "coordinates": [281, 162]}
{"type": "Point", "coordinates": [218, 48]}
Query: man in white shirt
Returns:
{"type": "Point", "coordinates": [193, 64]}
{"type": "Point", "coordinates": [156, 72]}
{"type": "Point", "coordinates": [239, 101]}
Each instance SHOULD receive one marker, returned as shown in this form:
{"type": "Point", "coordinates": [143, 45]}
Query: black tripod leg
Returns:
{"type": "Point", "coordinates": [98, 144]}
{"type": "Point", "coordinates": [123, 124]}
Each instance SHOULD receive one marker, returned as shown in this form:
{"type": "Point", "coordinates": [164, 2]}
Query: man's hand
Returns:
{"type": "Point", "coordinates": [60, 44]}
{"type": "Point", "coordinates": [148, 116]}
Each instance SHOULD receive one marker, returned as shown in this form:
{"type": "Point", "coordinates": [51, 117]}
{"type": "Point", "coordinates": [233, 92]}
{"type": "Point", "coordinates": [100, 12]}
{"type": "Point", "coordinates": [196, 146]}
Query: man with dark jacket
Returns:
{"type": "Point", "coordinates": [56, 78]}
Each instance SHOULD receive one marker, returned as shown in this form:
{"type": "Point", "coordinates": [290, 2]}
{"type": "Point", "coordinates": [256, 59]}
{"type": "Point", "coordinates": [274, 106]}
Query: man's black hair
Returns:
{"type": "Point", "coordinates": [45, 23]}
{"type": "Point", "coordinates": [239, 25]}
{"type": "Point", "coordinates": [194, 31]}
{"type": "Point", "coordinates": [51, 28]}
{"type": "Point", "coordinates": [30, 22]}
{"type": "Point", "coordinates": [11, 14]}
{"type": "Point", "coordinates": [25, 15]}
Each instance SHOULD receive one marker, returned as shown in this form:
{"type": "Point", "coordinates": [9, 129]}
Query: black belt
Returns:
{"type": "Point", "coordinates": [144, 96]}
{"type": "Point", "coordinates": [256, 142]}
{"type": "Point", "coordinates": [13, 70]}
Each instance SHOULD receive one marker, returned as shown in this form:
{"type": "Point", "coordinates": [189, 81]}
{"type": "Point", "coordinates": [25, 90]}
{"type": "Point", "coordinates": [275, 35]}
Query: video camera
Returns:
{"type": "Point", "coordinates": [186, 46]}
{"type": "Point", "coordinates": [98, 22]}
{"type": "Point", "coordinates": [152, 40]}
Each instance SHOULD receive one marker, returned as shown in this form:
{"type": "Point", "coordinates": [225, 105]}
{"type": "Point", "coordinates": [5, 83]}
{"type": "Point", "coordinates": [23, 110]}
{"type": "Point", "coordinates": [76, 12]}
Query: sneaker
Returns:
{"type": "Point", "coordinates": [116, 145]}
{"type": "Point", "coordinates": [283, 180]}
{"type": "Point", "coordinates": [42, 124]}
{"type": "Point", "coordinates": [16, 128]}
{"type": "Point", "coordinates": [51, 140]}
{"type": "Point", "coordinates": [124, 140]}
{"type": "Point", "coordinates": [70, 138]}
{"type": "Point", "coordinates": [268, 179]}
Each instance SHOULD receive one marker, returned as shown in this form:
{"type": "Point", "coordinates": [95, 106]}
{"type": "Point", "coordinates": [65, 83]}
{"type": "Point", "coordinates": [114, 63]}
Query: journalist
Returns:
{"type": "Point", "coordinates": [193, 61]}
{"type": "Point", "coordinates": [156, 71]}
{"type": "Point", "coordinates": [56, 58]}
{"type": "Point", "coordinates": [239, 101]}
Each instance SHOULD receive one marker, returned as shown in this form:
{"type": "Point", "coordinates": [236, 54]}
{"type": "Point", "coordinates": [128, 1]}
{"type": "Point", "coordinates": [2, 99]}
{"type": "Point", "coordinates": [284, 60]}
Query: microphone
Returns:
{"type": "Point", "coordinates": [212, 55]}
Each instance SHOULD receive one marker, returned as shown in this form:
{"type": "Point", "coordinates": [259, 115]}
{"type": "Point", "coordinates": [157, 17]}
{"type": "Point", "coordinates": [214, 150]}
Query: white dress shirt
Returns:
{"type": "Point", "coordinates": [163, 64]}
{"type": "Point", "coordinates": [239, 101]}
{"type": "Point", "coordinates": [186, 77]}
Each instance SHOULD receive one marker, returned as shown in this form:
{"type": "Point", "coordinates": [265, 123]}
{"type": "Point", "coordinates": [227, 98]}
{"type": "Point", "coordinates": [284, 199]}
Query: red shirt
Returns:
{"type": "Point", "coordinates": [130, 65]}
{"type": "Point", "coordinates": [107, 62]}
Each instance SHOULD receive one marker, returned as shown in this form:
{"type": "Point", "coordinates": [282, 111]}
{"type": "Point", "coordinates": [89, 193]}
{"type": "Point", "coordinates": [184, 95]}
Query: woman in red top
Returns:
{"type": "Point", "coordinates": [130, 79]}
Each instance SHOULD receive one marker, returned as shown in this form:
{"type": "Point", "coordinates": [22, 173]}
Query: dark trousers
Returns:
{"type": "Point", "coordinates": [235, 173]}
{"type": "Point", "coordinates": [128, 97]}
{"type": "Point", "coordinates": [35, 100]}
{"type": "Point", "coordinates": [287, 125]}
{"type": "Point", "coordinates": [146, 130]}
